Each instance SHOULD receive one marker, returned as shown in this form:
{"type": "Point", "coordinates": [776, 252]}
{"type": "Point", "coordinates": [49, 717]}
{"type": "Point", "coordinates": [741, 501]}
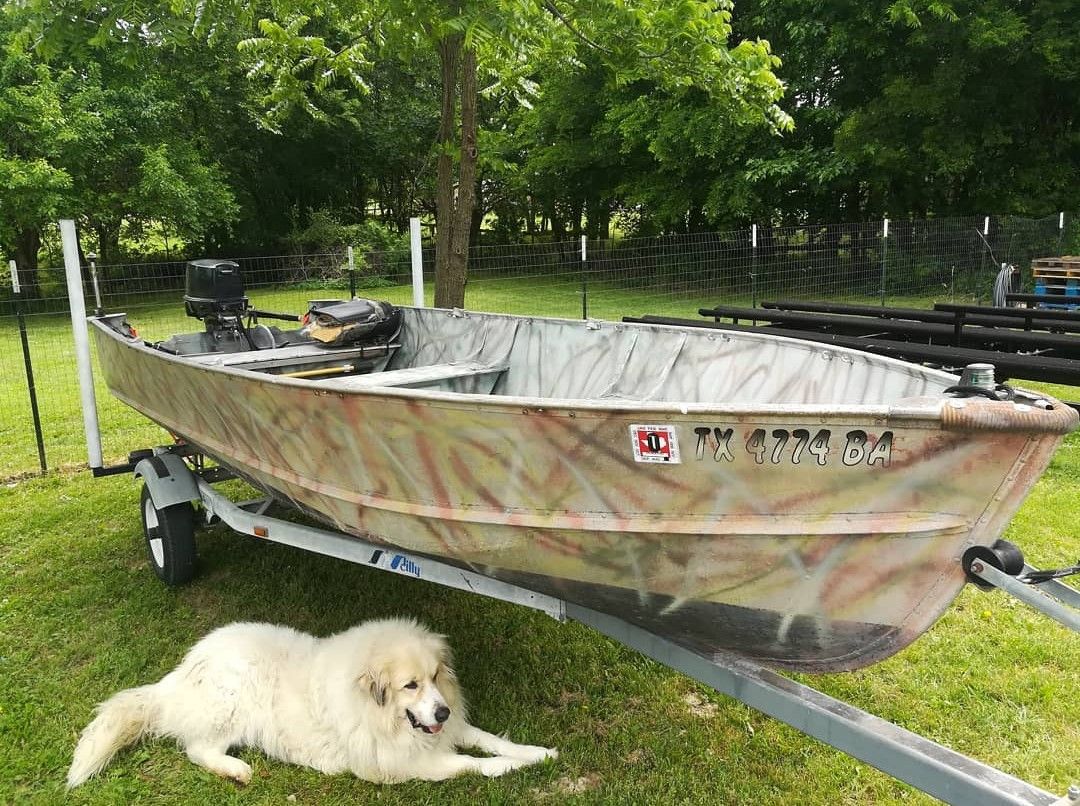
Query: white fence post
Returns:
{"type": "Point", "coordinates": [417, 263]}
{"type": "Point", "coordinates": [352, 271]}
{"type": "Point", "coordinates": [753, 265]}
{"type": "Point", "coordinates": [884, 255]}
{"type": "Point", "coordinates": [82, 341]}
{"type": "Point", "coordinates": [584, 287]}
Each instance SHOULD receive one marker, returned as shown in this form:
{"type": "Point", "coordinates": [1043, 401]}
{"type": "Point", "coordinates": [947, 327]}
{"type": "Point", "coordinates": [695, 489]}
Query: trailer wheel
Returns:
{"type": "Point", "coordinates": [170, 539]}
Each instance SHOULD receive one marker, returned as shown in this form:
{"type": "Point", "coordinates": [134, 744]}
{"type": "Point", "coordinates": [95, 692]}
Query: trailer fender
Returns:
{"type": "Point", "coordinates": [169, 480]}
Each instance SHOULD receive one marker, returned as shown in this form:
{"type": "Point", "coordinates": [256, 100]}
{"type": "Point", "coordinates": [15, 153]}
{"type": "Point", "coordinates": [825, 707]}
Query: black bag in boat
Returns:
{"type": "Point", "coordinates": [356, 321]}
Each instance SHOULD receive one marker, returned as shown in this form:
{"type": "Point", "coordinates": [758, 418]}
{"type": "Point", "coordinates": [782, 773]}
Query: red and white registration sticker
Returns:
{"type": "Point", "coordinates": [655, 443]}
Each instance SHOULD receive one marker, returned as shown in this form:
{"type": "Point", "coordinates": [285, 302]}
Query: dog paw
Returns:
{"type": "Point", "coordinates": [532, 754]}
{"type": "Point", "coordinates": [499, 765]}
{"type": "Point", "coordinates": [234, 768]}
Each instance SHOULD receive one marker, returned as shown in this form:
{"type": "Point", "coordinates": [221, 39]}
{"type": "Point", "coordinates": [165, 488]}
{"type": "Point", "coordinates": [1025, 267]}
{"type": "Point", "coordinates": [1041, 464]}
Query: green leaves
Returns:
{"type": "Point", "coordinates": [33, 133]}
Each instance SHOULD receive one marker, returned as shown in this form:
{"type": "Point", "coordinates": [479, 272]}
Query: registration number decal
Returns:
{"type": "Point", "coordinates": [793, 446]}
{"type": "Point", "coordinates": [655, 443]}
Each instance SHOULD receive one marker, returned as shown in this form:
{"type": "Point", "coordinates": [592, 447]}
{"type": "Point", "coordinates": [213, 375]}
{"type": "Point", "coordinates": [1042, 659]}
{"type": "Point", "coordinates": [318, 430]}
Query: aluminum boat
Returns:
{"type": "Point", "coordinates": [804, 505]}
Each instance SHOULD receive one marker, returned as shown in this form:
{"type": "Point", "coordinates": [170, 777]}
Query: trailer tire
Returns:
{"type": "Point", "coordinates": [170, 539]}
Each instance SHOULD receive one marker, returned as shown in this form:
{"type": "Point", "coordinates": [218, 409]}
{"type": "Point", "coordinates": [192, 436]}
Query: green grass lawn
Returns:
{"type": "Point", "coordinates": [81, 616]}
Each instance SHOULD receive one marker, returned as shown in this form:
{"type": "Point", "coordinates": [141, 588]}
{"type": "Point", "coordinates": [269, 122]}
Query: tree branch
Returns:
{"type": "Point", "coordinates": [551, 7]}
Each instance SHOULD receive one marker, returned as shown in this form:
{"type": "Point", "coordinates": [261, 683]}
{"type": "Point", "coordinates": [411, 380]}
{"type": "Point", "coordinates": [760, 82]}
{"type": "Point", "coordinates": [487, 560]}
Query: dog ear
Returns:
{"type": "Point", "coordinates": [377, 684]}
{"type": "Point", "coordinates": [449, 686]}
{"type": "Point", "coordinates": [446, 672]}
{"type": "Point", "coordinates": [378, 692]}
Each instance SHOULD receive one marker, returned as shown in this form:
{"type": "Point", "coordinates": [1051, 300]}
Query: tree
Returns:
{"type": "Point", "coordinates": [34, 130]}
{"type": "Point", "coordinates": [921, 107]}
{"type": "Point", "coordinates": [144, 156]}
{"type": "Point", "coordinates": [674, 45]}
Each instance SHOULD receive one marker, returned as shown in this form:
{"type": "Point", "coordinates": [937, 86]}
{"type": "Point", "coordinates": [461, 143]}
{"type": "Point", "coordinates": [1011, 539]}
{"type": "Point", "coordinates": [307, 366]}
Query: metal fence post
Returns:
{"type": "Point", "coordinates": [753, 265]}
{"type": "Point", "coordinates": [28, 366]}
{"type": "Point", "coordinates": [416, 248]}
{"type": "Point", "coordinates": [352, 272]}
{"type": "Point", "coordinates": [884, 254]}
{"type": "Point", "coordinates": [93, 279]}
{"type": "Point", "coordinates": [584, 269]}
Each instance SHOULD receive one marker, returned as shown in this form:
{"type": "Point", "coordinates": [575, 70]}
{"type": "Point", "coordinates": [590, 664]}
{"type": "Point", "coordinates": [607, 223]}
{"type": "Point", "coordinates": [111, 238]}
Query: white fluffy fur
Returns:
{"type": "Point", "coordinates": [336, 704]}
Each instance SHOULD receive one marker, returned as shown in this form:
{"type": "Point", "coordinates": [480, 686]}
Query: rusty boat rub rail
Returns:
{"type": "Point", "coordinates": [982, 415]}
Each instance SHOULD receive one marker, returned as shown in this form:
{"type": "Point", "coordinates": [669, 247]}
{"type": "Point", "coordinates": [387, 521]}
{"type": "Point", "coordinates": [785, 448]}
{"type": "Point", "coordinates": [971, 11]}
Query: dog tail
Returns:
{"type": "Point", "coordinates": [121, 720]}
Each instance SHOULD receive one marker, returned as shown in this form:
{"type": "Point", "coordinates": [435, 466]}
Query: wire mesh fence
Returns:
{"type": "Point", "coordinates": [904, 263]}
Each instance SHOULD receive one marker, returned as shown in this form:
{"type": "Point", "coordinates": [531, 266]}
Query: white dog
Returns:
{"type": "Point", "coordinates": [379, 700]}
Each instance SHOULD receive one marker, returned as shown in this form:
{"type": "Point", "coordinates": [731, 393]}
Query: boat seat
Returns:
{"type": "Point", "coordinates": [419, 376]}
{"type": "Point", "coordinates": [290, 355]}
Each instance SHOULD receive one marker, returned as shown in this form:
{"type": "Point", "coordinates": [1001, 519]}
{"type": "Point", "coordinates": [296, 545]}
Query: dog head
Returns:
{"type": "Point", "coordinates": [408, 674]}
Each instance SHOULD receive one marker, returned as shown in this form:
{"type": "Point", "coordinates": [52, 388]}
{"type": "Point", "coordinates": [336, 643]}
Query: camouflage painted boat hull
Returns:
{"type": "Point", "coordinates": [803, 505]}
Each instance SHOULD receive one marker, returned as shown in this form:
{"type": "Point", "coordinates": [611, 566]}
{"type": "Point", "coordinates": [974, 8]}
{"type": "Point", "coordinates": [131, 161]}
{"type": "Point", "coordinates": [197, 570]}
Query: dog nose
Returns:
{"type": "Point", "coordinates": [442, 713]}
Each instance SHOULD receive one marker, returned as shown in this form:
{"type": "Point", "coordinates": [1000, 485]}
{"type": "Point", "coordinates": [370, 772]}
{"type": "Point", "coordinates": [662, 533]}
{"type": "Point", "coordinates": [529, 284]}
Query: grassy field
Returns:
{"type": "Point", "coordinates": [81, 616]}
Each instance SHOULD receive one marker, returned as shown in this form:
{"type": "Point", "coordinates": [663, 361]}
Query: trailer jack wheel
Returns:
{"type": "Point", "coordinates": [170, 539]}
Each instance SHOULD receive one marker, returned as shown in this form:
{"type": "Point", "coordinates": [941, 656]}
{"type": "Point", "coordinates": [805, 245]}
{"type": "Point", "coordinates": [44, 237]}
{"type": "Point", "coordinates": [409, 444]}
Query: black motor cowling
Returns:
{"type": "Point", "coordinates": [214, 288]}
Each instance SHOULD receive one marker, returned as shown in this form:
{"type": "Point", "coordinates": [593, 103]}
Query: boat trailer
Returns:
{"type": "Point", "coordinates": [173, 478]}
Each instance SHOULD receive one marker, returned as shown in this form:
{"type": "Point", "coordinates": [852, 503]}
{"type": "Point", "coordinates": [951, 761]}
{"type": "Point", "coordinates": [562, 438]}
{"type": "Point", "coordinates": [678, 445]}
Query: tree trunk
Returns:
{"type": "Point", "coordinates": [108, 242]}
{"type": "Point", "coordinates": [27, 244]}
{"type": "Point", "coordinates": [558, 229]}
{"type": "Point", "coordinates": [466, 197]}
{"type": "Point", "coordinates": [453, 217]}
{"type": "Point", "coordinates": [449, 50]}
{"type": "Point", "coordinates": [603, 220]}
{"type": "Point", "coordinates": [530, 217]}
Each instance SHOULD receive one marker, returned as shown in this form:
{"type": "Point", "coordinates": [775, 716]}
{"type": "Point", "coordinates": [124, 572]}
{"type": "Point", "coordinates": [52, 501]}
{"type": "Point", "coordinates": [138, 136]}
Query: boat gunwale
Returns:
{"type": "Point", "coordinates": [1059, 420]}
{"type": "Point", "coordinates": [324, 386]}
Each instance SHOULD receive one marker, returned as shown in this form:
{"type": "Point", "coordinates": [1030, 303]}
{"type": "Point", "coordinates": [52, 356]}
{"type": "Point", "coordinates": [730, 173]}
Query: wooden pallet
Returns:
{"type": "Point", "coordinates": [1067, 267]}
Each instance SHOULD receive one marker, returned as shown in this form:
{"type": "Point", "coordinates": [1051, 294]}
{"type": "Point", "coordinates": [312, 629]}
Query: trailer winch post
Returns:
{"type": "Point", "coordinates": [77, 303]}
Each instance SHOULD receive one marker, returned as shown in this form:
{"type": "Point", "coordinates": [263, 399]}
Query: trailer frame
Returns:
{"type": "Point", "coordinates": [931, 767]}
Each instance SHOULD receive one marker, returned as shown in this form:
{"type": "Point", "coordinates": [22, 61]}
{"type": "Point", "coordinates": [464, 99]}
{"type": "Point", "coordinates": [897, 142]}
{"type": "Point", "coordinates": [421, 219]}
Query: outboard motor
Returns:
{"type": "Point", "coordinates": [214, 294]}
{"type": "Point", "coordinates": [214, 290]}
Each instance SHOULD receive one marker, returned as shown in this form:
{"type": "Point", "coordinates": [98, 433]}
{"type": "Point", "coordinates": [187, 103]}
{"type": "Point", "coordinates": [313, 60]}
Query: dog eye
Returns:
{"type": "Point", "coordinates": [411, 684]}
